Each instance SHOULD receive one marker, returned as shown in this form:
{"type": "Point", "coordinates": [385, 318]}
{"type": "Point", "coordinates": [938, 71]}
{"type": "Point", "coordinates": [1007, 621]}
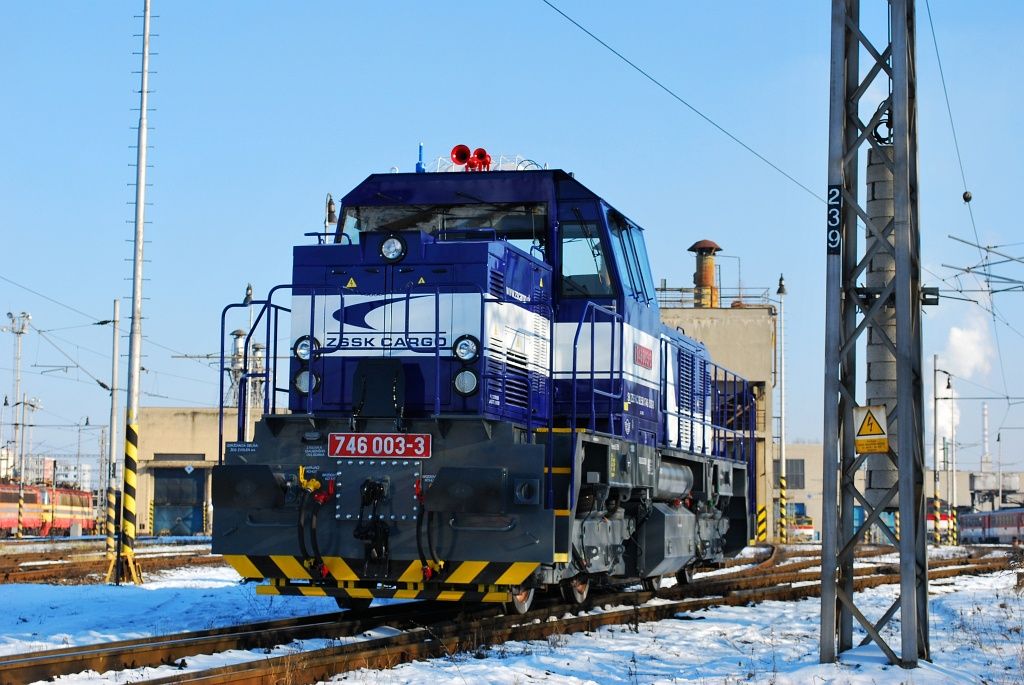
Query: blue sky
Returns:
{"type": "Point", "coordinates": [261, 110]}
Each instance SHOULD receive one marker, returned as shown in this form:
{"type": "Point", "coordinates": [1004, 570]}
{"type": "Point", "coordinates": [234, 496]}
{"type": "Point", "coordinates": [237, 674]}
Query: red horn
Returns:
{"type": "Point", "coordinates": [460, 154]}
{"type": "Point", "coordinates": [483, 159]}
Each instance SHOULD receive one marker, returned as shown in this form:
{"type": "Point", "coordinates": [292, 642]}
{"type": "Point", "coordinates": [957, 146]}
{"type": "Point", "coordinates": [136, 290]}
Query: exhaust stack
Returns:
{"type": "Point", "coordinates": [705, 292]}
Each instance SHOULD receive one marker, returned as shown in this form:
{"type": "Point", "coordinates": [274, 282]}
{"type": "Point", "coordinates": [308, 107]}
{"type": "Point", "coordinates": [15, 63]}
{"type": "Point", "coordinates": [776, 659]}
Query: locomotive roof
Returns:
{"type": "Point", "coordinates": [457, 188]}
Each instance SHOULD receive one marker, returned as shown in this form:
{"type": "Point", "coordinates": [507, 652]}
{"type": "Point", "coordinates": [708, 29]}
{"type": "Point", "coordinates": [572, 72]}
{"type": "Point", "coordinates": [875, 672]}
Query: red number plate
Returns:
{"type": "Point", "coordinates": [380, 445]}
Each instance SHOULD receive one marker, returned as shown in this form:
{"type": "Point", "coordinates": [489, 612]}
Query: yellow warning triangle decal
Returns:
{"type": "Point", "coordinates": [421, 281]}
{"type": "Point", "coordinates": [351, 283]}
{"type": "Point", "coordinates": [869, 426]}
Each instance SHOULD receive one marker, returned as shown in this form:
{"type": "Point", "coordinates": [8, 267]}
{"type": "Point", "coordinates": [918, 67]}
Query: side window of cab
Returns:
{"type": "Point", "coordinates": [630, 256]}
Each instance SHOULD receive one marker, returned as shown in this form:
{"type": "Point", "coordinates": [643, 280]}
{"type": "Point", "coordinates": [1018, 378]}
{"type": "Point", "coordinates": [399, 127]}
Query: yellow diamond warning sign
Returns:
{"type": "Point", "coordinates": [872, 434]}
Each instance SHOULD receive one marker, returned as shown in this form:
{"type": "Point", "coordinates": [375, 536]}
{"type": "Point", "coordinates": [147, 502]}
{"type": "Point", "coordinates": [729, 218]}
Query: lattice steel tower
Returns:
{"type": "Point", "coordinates": [872, 294]}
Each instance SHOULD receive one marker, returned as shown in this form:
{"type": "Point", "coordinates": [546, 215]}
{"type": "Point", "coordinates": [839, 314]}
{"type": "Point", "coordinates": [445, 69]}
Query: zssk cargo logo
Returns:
{"type": "Point", "coordinates": [643, 356]}
{"type": "Point", "coordinates": [368, 337]}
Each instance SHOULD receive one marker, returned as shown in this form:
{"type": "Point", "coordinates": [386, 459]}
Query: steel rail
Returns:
{"type": "Point", "coordinates": [445, 639]}
{"type": "Point", "coordinates": [77, 571]}
{"type": "Point", "coordinates": [430, 623]}
{"type": "Point", "coordinates": [169, 649]}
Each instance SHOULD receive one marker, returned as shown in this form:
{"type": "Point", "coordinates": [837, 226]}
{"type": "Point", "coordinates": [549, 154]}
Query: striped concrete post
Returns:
{"type": "Point", "coordinates": [21, 507]}
{"type": "Point", "coordinates": [124, 564]}
{"type": "Point", "coordinates": [152, 516]}
{"type": "Point", "coordinates": [937, 514]}
{"type": "Point", "coordinates": [110, 522]}
{"type": "Point", "coordinates": [131, 468]}
{"type": "Point", "coordinates": [783, 513]}
{"type": "Point", "coordinates": [954, 528]}
{"type": "Point", "coordinates": [762, 525]}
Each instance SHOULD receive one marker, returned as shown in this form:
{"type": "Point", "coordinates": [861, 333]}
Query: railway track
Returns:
{"type": "Point", "coordinates": [77, 564]}
{"type": "Point", "coordinates": [92, 570]}
{"type": "Point", "coordinates": [430, 629]}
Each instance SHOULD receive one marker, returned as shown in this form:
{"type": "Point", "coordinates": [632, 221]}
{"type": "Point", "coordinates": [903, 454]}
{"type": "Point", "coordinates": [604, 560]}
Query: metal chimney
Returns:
{"type": "Point", "coordinates": [705, 292]}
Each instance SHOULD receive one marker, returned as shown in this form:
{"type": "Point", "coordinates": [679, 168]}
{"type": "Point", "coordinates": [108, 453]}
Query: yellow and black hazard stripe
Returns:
{"type": "Point", "coordinates": [783, 506]}
{"type": "Point", "coordinates": [463, 581]}
{"type": "Point", "coordinates": [111, 521]}
{"type": "Point", "coordinates": [954, 528]}
{"type": "Point", "coordinates": [21, 511]}
{"type": "Point", "coordinates": [761, 530]}
{"type": "Point", "coordinates": [936, 518]}
{"type": "Point", "coordinates": [129, 504]}
{"type": "Point", "coordinates": [444, 592]}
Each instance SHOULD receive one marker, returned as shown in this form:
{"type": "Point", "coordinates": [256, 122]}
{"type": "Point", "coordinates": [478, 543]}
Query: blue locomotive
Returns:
{"type": "Point", "coordinates": [482, 402]}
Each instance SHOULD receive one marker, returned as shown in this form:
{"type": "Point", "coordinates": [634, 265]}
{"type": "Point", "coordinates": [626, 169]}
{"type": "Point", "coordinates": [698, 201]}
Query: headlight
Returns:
{"type": "Point", "coordinates": [393, 248]}
{"type": "Point", "coordinates": [466, 382]}
{"type": "Point", "coordinates": [306, 381]}
{"type": "Point", "coordinates": [466, 348]}
{"type": "Point", "coordinates": [304, 347]}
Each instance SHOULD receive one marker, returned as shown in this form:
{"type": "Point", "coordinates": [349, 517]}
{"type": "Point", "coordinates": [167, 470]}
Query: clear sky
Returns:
{"type": "Point", "coordinates": [261, 108]}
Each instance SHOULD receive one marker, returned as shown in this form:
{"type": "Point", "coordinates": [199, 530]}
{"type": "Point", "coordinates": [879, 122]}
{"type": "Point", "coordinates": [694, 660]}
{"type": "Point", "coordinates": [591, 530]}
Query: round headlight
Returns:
{"type": "Point", "coordinates": [466, 382]}
{"type": "Point", "coordinates": [393, 248]}
{"type": "Point", "coordinates": [304, 346]}
{"type": "Point", "coordinates": [466, 348]}
{"type": "Point", "coordinates": [306, 381]}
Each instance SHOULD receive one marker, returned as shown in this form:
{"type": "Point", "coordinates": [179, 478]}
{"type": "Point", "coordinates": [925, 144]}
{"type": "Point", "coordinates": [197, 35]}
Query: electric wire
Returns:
{"type": "Point", "coordinates": [970, 211]}
{"type": "Point", "coordinates": [686, 104]}
{"type": "Point", "coordinates": [49, 299]}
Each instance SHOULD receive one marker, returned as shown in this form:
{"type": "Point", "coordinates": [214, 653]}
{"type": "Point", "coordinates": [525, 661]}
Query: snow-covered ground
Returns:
{"type": "Point", "coordinates": [976, 635]}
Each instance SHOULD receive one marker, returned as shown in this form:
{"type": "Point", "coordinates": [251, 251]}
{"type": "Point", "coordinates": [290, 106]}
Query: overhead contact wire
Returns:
{"type": "Point", "coordinates": [686, 104]}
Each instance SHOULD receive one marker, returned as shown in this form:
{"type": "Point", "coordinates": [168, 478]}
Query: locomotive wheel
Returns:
{"type": "Point", "coordinates": [353, 603]}
{"type": "Point", "coordinates": [652, 584]}
{"type": "Point", "coordinates": [684, 576]}
{"type": "Point", "coordinates": [522, 598]}
{"type": "Point", "coordinates": [575, 589]}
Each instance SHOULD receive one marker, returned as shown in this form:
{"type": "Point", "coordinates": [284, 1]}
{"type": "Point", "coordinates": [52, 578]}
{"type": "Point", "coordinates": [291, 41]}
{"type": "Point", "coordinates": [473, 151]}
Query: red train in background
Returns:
{"type": "Point", "coordinates": [1004, 526]}
{"type": "Point", "coordinates": [48, 510]}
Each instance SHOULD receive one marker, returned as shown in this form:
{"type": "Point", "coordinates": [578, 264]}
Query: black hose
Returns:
{"type": "Point", "coordinates": [419, 540]}
{"type": "Point", "coordinates": [302, 524]}
{"type": "Point", "coordinates": [313, 536]}
{"type": "Point", "coordinates": [430, 540]}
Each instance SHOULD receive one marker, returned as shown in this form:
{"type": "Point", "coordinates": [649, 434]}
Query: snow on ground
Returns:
{"type": "Point", "coordinates": [976, 634]}
{"type": "Point", "coordinates": [36, 617]}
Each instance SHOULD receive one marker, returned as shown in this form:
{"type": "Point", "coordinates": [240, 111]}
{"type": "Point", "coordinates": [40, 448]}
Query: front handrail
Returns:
{"type": "Point", "coordinates": [269, 316]}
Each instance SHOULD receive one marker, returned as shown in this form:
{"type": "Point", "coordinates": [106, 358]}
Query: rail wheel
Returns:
{"type": "Point", "coordinates": [522, 599]}
{"type": "Point", "coordinates": [652, 584]}
{"type": "Point", "coordinates": [576, 589]}
{"type": "Point", "coordinates": [353, 603]}
{"type": "Point", "coordinates": [684, 576]}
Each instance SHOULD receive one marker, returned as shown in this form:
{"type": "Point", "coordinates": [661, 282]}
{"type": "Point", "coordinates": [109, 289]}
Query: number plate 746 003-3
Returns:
{"type": "Point", "coordinates": [379, 445]}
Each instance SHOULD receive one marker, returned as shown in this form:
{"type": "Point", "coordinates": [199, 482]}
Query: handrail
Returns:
{"type": "Point", "coordinates": [593, 309]}
{"type": "Point", "coordinates": [271, 312]}
{"type": "Point", "coordinates": [734, 443]}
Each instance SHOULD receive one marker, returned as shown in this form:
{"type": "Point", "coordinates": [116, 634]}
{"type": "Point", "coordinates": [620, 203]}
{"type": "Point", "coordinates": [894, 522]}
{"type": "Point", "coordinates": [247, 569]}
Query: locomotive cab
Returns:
{"type": "Point", "coordinates": [478, 399]}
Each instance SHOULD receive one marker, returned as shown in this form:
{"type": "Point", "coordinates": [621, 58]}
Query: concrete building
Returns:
{"type": "Point", "coordinates": [739, 329]}
{"type": "Point", "coordinates": [177, 452]}
{"type": "Point", "coordinates": [77, 473]}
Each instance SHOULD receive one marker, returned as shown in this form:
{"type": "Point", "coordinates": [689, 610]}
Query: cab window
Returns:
{"type": "Point", "coordinates": [643, 263]}
{"type": "Point", "coordinates": [584, 269]}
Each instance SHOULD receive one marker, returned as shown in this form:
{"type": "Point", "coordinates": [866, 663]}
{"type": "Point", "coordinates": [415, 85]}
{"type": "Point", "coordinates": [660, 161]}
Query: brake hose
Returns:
{"type": "Point", "coordinates": [304, 497]}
